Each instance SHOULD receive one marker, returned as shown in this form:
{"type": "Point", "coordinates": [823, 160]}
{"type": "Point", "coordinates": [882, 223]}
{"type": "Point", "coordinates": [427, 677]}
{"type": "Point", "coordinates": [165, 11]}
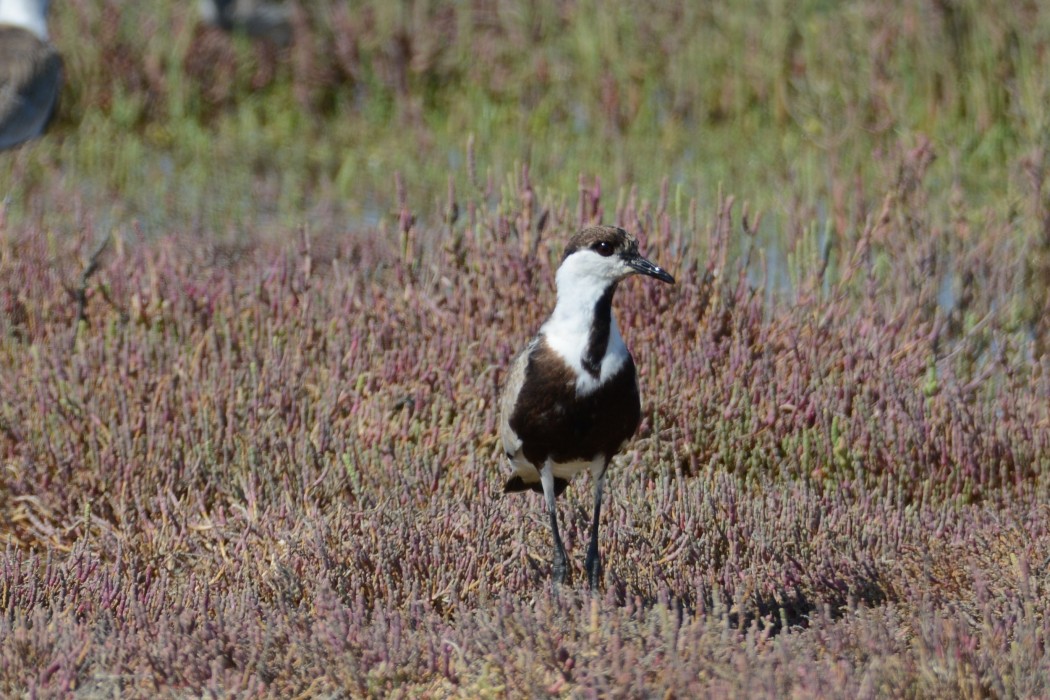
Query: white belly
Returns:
{"type": "Point", "coordinates": [562, 470]}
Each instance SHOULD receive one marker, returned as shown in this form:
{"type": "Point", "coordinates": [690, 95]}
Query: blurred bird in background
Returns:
{"type": "Point", "coordinates": [259, 19]}
{"type": "Point", "coordinates": [30, 71]}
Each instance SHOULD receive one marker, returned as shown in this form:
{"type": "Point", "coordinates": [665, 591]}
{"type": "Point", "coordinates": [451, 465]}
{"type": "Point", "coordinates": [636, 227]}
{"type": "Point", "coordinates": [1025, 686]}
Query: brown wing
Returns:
{"type": "Point", "coordinates": [509, 399]}
{"type": "Point", "coordinates": [551, 421]}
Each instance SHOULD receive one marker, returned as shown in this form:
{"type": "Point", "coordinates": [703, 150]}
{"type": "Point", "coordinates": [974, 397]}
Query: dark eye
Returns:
{"type": "Point", "coordinates": [603, 248]}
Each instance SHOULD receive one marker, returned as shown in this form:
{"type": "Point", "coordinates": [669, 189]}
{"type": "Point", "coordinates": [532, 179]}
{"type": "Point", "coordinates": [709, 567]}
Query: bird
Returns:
{"type": "Point", "coordinates": [570, 400]}
{"type": "Point", "coordinates": [30, 71]}
{"type": "Point", "coordinates": [259, 19]}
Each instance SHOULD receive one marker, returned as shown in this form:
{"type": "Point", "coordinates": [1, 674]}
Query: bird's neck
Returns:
{"type": "Point", "coordinates": [583, 331]}
{"type": "Point", "coordinates": [27, 15]}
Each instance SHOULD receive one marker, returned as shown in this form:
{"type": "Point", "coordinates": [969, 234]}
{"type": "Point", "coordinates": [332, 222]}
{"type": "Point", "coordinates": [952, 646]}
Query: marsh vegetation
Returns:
{"type": "Point", "coordinates": [256, 304]}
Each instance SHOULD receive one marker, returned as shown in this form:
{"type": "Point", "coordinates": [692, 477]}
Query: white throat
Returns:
{"type": "Point", "coordinates": [568, 330]}
{"type": "Point", "coordinates": [30, 15]}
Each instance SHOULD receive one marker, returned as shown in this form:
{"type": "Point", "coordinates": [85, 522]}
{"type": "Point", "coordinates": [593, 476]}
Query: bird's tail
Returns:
{"type": "Point", "coordinates": [517, 484]}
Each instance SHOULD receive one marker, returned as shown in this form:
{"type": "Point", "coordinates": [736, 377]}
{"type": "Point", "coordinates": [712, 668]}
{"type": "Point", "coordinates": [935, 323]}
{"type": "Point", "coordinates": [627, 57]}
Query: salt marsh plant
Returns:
{"type": "Point", "coordinates": [253, 452]}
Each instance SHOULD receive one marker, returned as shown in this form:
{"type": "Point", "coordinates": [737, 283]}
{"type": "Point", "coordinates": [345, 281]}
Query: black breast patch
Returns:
{"type": "Point", "coordinates": [552, 422]}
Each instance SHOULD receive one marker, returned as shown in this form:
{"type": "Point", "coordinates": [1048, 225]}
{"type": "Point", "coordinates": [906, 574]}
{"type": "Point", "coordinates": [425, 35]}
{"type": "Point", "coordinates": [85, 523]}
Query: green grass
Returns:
{"type": "Point", "coordinates": [757, 98]}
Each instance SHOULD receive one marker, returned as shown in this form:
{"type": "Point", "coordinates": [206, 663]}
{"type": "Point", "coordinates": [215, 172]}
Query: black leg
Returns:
{"type": "Point", "coordinates": [594, 560]}
{"type": "Point", "coordinates": [561, 561]}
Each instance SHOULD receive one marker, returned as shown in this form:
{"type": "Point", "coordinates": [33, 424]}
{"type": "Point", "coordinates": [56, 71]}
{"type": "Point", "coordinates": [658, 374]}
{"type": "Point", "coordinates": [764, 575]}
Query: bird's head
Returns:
{"type": "Point", "coordinates": [601, 256]}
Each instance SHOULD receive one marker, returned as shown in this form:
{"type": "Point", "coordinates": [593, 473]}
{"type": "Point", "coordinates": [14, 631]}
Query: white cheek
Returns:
{"type": "Point", "coordinates": [586, 267]}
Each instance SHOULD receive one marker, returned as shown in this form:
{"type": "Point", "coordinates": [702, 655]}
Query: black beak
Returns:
{"type": "Point", "coordinates": [644, 267]}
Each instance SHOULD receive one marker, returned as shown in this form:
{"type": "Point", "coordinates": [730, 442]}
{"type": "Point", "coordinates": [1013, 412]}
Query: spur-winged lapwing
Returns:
{"type": "Point", "coordinates": [259, 19]}
{"type": "Point", "coordinates": [571, 398]}
{"type": "Point", "coordinates": [30, 71]}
